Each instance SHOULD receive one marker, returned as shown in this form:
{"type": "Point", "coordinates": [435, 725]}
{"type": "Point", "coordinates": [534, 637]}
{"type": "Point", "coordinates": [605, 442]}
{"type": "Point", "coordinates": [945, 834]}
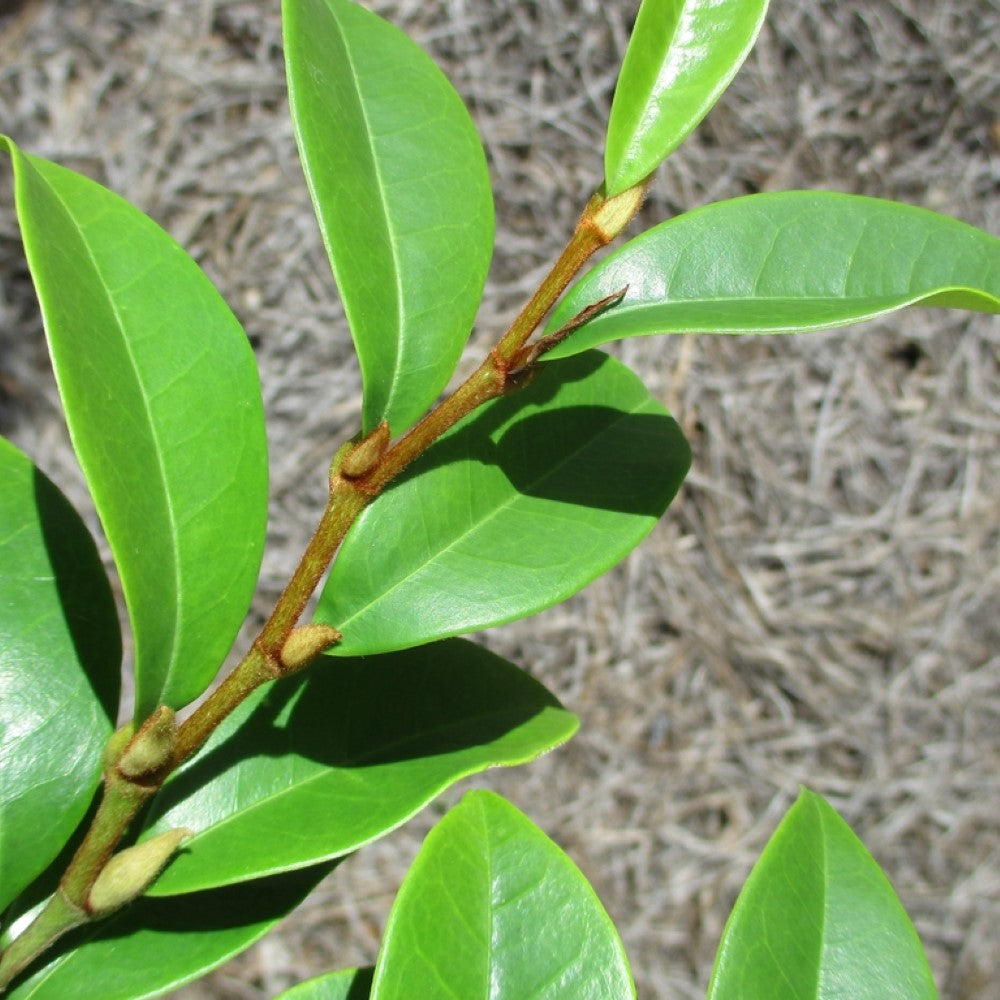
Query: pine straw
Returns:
{"type": "Point", "coordinates": [820, 605]}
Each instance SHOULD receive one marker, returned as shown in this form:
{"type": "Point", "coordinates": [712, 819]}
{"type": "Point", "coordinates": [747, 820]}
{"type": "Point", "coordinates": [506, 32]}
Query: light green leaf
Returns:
{"type": "Point", "coordinates": [515, 509]}
{"type": "Point", "coordinates": [493, 909]}
{"type": "Point", "coordinates": [60, 663]}
{"type": "Point", "coordinates": [163, 404]}
{"type": "Point", "coordinates": [345, 984]}
{"type": "Point", "coordinates": [320, 764]}
{"type": "Point", "coordinates": [157, 945]}
{"type": "Point", "coordinates": [681, 57]}
{"type": "Point", "coordinates": [817, 918]}
{"type": "Point", "coordinates": [400, 186]}
{"type": "Point", "coordinates": [784, 263]}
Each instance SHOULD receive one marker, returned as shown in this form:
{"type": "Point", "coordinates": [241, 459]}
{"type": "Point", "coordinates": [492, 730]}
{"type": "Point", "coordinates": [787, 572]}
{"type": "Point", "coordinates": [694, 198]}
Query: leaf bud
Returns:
{"type": "Point", "coordinates": [338, 459]}
{"type": "Point", "coordinates": [366, 454]}
{"type": "Point", "coordinates": [151, 750]}
{"type": "Point", "coordinates": [306, 642]}
{"type": "Point", "coordinates": [611, 215]}
{"type": "Point", "coordinates": [131, 872]}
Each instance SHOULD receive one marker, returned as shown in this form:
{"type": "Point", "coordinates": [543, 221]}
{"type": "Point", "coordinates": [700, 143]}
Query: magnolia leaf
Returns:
{"type": "Point", "coordinates": [401, 189]}
{"type": "Point", "coordinates": [345, 984]}
{"type": "Point", "coordinates": [155, 946]}
{"type": "Point", "coordinates": [818, 919]}
{"type": "Point", "coordinates": [317, 765]}
{"type": "Point", "coordinates": [784, 263]}
{"type": "Point", "coordinates": [493, 910]}
{"type": "Point", "coordinates": [164, 409]}
{"type": "Point", "coordinates": [60, 666]}
{"type": "Point", "coordinates": [681, 57]}
{"type": "Point", "coordinates": [515, 509]}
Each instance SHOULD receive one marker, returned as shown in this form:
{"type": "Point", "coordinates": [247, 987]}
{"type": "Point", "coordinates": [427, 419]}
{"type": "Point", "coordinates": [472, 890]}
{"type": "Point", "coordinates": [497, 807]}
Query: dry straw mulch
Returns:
{"type": "Point", "coordinates": [821, 605]}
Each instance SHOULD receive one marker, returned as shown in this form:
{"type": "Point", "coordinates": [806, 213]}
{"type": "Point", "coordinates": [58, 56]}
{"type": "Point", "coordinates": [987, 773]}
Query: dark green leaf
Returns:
{"type": "Point", "coordinates": [157, 945]}
{"type": "Point", "coordinates": [514, 510]}
{"type": "Point", "coordinates": [346, 984]}
{"type": "Point", "coordinates": [817, 918]}
{"type": "Point", "coordinates": [163, 403]}
{"type": "Point", "coordinates": [60, 663]}
{"type": "Point", "coordinates": [319, 764]}
{"type": "Point", "coordinates": [784, 263]}
{"type": "Point", "coordinates": [680, 58]}
{"type": "Point", "coordinates": [493, 909]}
{"type": "Point", "coordinates": [400, 186]}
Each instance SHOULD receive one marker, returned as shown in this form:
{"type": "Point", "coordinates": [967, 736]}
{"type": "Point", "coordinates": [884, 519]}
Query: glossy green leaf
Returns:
{"type": "Point", "coordinates": [817, 918]}
{"type": "Point", "coordinates": [400, 186]}
{"type": "Point", "coordinates": [515, 509]}
{"type": "Point", "coordinates": [493, 909]}
{"type": "Point", "coordinates": [323, 763]}
{"type": "Point", "coordinates": [60, 663]}
{"type": "Point", "coordinates": [681, 57]}
{"type": "Point", "coordinates": [163, 403]}
{"type": "Point", "coordinates": [345, 984]}
{"type": "Point", "coordinates": [158, 945]}
{"type": "Point", "coordinates": [784, 263]}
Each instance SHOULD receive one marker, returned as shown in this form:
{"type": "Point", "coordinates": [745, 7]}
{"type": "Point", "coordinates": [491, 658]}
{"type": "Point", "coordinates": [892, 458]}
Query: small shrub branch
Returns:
{"type": "Point", "coordinates": [359, 473]}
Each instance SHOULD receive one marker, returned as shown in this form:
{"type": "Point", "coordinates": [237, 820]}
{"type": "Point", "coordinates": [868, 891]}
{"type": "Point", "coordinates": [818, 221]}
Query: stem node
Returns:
{"type": "Point", "coordinates": [365, 455]}
{"type": "Point", "coordinates": [305, 643]}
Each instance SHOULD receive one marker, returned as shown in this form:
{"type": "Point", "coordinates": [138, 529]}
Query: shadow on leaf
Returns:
{"type": "Point", "coordinates": [434, 700]}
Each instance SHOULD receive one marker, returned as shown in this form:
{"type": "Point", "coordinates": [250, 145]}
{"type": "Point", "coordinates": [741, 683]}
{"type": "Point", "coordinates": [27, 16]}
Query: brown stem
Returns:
{"type": "Point", "coordinates": [530, 353]}
{"type": "Point", "coordinates": [584, 242]}
{"type": "Point", "coordinates": [253, 670]}
{"type": "Point", "coordinates": [602, 220]}
{"type": "Point", "coordinates": [263, 661]}
{"type": "Point", "coordinates": [69, 906]}
{"type": "Point", "coordinates": [485, 383]}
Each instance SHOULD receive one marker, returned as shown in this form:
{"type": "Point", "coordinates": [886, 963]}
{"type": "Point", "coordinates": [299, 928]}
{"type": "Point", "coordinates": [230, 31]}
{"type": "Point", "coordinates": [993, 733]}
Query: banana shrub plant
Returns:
{"type": "Point", "coordinates": [134, 860]}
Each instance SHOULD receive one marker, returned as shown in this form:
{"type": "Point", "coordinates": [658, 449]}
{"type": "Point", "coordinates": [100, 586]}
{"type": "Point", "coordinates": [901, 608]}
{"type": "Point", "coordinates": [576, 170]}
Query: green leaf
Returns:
{"type": "Point", "coordinates": [60, 663]}
{"type": "Point", "coordinates": [401, 189]}
{"type": "Point", "coordinates": [318, 765]}
{"type": "Point", "coordinates": [164, 409]}
{"type": "Point", "coordinates": [515, 509]}
{"type": "Point", "coordinates": [784, 263]}
{"type": "Point", "coordinates": [492, 908]}
{"type": "Point", "coordinates": [681, 57]}
{"type": "Point", "coordinates": [345, 984]}
{"type": "Point", "coordinates": [157, 945]}
{"type": "Point", "coordinates": [817, 918]}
